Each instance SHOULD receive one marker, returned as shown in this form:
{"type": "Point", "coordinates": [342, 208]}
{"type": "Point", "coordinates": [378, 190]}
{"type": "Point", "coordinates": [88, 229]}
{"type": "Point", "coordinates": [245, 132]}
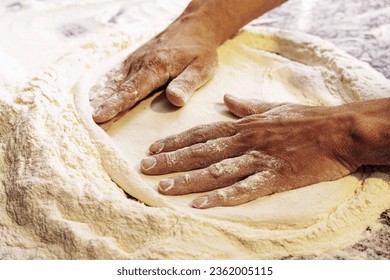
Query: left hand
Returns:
{"type": "Point", "coordinates": [183, 58]}
{"type": "Point", "coordinates": [273, 148]}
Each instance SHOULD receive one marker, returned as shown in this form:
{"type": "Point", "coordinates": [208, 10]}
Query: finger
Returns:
{"type": "Point", "coordinates": [193, 77]}
{"type": "Point", "coordinates": [215, 176]}
{"type": "Point", "coordinates": [100, 94]}
{"type": "Point", "coordinates": [260, 184]}
{"type": "Point", "coordinates": [136, 88]}
{"type": "Point", "coordinates": [193, 157]}
{"type": "Point", "coordinates": [198, 134]}
{"type": "Point", "coordinates": [107, 85]}
{"type": "Point", "coordinates": [245, 107]}
{"type": "Point", "coordinates": [118, 102]}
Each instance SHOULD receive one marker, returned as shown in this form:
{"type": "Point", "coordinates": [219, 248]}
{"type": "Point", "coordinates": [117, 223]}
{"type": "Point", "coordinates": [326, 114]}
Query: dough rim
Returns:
{"type": "Point", "coordinates": [336, 59]}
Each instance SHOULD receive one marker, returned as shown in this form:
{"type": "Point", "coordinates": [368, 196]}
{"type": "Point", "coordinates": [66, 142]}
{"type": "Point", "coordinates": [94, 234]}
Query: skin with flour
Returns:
{"type": "Point", "coordinates": [273, 148]}
{"type": "Point", "coordinates": [183, 56]}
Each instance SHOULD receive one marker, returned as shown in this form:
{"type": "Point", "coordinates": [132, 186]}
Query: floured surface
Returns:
{"type": "Point", "coordinates": [58, 198]}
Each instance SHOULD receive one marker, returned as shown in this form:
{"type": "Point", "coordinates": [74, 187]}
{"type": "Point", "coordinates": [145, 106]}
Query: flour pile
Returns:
{"type": "Point", "coordinates": [59, 194]}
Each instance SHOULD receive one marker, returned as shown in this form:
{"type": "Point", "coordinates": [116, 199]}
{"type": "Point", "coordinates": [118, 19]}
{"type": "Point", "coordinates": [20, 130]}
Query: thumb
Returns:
{"type": "Point", "coordinates": [193, 77]}
{"type": "Point", "coordinates": [245, 107]}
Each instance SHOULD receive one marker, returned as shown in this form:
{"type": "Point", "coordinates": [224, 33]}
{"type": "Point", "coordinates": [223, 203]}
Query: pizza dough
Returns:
{"type": "Point", "coordinates": [62, 177]}
{"type": "Point", "coordinates": [274, 66]}
{"type": "Point", "coordinates": [248, 70]}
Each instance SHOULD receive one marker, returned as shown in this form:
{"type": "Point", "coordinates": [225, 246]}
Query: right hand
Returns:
{"type": "Point", "coordinates": [183, 56]}
{"type": "Point", "coordinates": [273, 148]}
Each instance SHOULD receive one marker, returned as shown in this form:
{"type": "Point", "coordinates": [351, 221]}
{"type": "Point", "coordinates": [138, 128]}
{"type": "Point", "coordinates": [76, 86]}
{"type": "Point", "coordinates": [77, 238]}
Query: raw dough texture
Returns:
{"type": "Point", "coordinates": [248, 70]}
{"type": "Point", "coordinates": [60, 172]}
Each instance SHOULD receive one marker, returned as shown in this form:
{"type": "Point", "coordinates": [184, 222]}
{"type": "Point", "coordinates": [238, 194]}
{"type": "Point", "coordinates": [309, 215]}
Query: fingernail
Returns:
{"type": "Point", "coordinates": [104, 114]}
{"type": "Point", "coordinates": [98, 117]}
{"type": "Point", "coordinates": [96, 114]}
{"type": "Point", "coordinates": [231, 97]}
{"type": "Point", "coordinates": [200, 202]}
{"type": "Point", "coordinates": [184, 96]}
{"type": "Point", "coordinates": [148, 163]}
{"type": "Point", "coordinates": [166, 184]}
{"type": "Point", "coordinates": [156, 147]}
{"type": "Point", "coordinates": [178, 97]}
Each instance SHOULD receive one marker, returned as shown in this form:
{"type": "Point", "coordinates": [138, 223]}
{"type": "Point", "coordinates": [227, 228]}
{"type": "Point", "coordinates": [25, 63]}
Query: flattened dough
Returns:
{"type": "Point", "coordinates": [273, 67]}
{"type": "Point", "coordinates": [246, 69]}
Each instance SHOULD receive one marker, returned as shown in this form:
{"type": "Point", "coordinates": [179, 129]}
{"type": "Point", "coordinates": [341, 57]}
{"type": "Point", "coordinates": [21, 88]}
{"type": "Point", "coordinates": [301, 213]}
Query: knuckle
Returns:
{"type": "Point", "coordinates": [170, 158]}
{"type": "Point", "coordinates": [239, 142]}
{"type": "Point", "coordinates": [198, 131]}
{"type": "Point", "coordinates": [189, 82]}
{"type": "Point", "coordinates": [201, 132]}
{"type": "Point", "coordinates": [220, 196]}
{"type": "Point", "coordinates": [134, 63]}
{"type": "Point", "coordinates": [216, 170]}
{"type": "Point", "coordinates": [187, 179]}
{"type": "Point", "coordinates": [243, 186]}
{"type": "Point", "coordinates": [228, 128]}
{"type": "Point", "coordinates": [126, 87]}
{"type": "Point", "coordinates": [256, 155]}
{"type": "Point", "coordinates": [155, 61]}
{"type": "Point", "coordinates": [228, 125]}
{"type": "Point", "coordinates": [196, 150]}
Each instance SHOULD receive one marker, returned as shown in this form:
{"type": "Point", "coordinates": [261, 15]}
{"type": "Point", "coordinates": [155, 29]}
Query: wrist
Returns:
{"type": "Point", "coordinates": [221, 19]}
{"type": "Point", "coordinates": [370, 131]}
{"type": "Point", "coordinates": [195, 22]}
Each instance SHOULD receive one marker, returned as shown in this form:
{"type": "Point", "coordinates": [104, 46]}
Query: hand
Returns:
{"type": "Point", "coordinates": [273, 148]}
{"type": "Point", "coordinates": [184, 56]}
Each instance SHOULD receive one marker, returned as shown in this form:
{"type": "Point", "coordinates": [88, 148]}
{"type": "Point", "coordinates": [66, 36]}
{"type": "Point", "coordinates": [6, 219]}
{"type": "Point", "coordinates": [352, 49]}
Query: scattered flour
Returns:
{"type": "Point", "coordinates": [59, 172]}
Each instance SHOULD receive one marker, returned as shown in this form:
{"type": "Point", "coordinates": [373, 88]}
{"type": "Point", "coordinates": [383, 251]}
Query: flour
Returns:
{"type": "Point", "coordinates": [59, 194]}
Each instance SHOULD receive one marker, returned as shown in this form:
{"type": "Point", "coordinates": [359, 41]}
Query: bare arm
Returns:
{"type": "Point", "coordinates": [183, 56]}
{"type": "Point", "coordinates": [223, 18]}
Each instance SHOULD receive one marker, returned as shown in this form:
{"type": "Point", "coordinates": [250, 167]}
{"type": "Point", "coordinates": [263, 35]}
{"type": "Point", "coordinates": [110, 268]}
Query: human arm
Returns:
{"type": "Point", "coordinates": [182, 56]}
{"type": "Point", "coordinates": [273, 148]}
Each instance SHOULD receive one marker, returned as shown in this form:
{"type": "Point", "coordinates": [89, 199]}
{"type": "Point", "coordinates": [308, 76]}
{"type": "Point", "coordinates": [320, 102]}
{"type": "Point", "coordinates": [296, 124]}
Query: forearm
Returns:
{"type": "Point", "coordinates": [371, 131]}
{"type": "Point", "coordinates": [223, 18]}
